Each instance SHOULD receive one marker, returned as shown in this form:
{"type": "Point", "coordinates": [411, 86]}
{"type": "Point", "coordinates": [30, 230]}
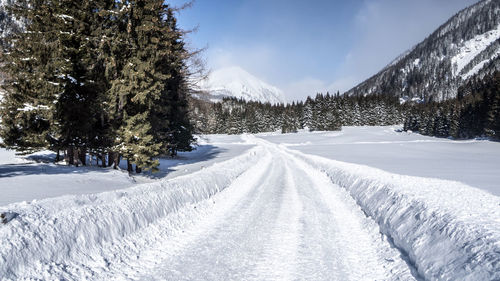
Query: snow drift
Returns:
{"type": "Point", "coordinates": [66, 234]}
{"type": "Point", "coordinates": [448, 230]}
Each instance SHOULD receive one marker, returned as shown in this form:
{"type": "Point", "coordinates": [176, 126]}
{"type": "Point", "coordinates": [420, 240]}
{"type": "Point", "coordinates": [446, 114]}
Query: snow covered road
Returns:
{"type": "Point", "coordinates": [270, 213]}
{"type": "Point", "coordinates": [282, 221]}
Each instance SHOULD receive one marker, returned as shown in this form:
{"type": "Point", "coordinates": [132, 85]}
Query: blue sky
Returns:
{"type": "Point", "coordinates": [304, 47]}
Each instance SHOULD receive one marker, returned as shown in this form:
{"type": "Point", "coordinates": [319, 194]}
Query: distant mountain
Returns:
{"type": "Point", "coordinates": [238, 83]}
{"type": "Point", "coordinates": [467, 45]}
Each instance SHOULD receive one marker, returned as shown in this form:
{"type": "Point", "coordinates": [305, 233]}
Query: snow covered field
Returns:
{"type": "Point", "coordinates": [361, 204]}
{"type": "Point", "coordinates": [473, 162]}
{"type": "Point", "coordinates": [24, 179]}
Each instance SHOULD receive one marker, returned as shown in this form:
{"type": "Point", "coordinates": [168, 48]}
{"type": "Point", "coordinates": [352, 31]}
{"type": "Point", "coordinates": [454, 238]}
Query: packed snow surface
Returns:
{"type": "Point", "coordinates": [471, 48]}
{"type": "Point", "coordinates": [278, 207]}
{"type": "Point", "coordinates": [238, 83]}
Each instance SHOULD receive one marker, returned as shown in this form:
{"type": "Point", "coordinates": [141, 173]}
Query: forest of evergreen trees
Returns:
{"type": "Point", "coordinates": [474, 113]}
{"type": "Point", "coordinates": [100, 77]}
{"type": "Point", "coordinates": [324, 112]}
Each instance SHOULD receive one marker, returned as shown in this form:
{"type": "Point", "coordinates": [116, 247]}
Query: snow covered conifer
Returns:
{"type": "Point", "coordinates": [493, 115]}
{"type": "Point", "coordinates": [54, 83]}
{"type": "Point", "coordinates": [28, 107]}
{"type": "Point", "coordinates": [149, 87]}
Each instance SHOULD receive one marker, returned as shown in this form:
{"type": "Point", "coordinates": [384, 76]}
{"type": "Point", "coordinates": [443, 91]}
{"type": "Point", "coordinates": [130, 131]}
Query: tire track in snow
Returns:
{"type": "Point", "coordinates": [281, 258]}
{"type": "Point", "coordinates": [365, 253]}
{"type": "Point", "coordinates": [241, 244]}
{"type": "Point", "coordinates": [292, 224]}
{"type": "Point", "coordinates": [162, 261]}
{"type": "Point", "coordinates": [352, 244]}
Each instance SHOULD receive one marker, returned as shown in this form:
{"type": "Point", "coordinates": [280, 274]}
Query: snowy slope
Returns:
{"type": "Point", "coordinates": [238, 83]}
{"type": "Point", "coordinates": [468, 44]}
{"type": "Point", "coordinates": [471, 49]}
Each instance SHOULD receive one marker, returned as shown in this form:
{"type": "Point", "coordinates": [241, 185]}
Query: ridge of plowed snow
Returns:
{"type": "Point", "coordinates": [449, 230]}
{"type": "Point", "coordinates": [60, 237]}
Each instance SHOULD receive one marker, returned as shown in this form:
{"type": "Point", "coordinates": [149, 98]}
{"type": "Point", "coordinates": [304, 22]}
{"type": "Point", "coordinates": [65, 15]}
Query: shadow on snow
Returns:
{"type": "Point", "coordinates": [167, 165]}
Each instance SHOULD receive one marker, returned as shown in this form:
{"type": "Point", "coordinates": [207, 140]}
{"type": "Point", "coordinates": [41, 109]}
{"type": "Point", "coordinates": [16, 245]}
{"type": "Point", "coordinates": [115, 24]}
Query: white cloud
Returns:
{"type": "Point", "coordinates": [259, 59]}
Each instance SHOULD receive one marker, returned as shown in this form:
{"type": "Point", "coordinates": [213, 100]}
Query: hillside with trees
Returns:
{"type": "Point", "coordinates": [474, 113]}
{"type": "Point", "coordinates": [468, 44]}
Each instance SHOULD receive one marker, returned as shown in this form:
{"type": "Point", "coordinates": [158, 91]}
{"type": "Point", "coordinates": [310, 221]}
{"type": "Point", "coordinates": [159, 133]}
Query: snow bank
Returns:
{"type": "Point", "coordinates": [57, 232]}
{"type": "Point", "coordinates": [450, 231]}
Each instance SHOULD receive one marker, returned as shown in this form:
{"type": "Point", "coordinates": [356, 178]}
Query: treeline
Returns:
{"type": "Point", "coordinates": [474, 113]}
{"type": "Point", "coordinates": [99, 77]}
{"type": "Point", "coordinates": [324, 112]}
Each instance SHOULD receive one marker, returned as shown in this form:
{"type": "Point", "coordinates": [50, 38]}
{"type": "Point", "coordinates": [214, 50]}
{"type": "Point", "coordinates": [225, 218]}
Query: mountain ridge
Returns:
{"type": "Point", "coordinates": [465, 46]}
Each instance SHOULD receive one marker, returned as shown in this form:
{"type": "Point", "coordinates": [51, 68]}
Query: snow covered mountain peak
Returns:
{"type": "Point", "coordinates": [236, 82]}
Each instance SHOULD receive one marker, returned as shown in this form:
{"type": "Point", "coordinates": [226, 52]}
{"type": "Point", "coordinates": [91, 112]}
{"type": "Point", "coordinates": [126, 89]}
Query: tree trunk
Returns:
{"type": "Point", "coordinates": [82, 155]}
{"type": "Point", "coordinates": [138, 169]}
{"type": "Point", "coordinates": [70, 155]}
{"type": "Point", "coordinates": [129, 166]}
{"type": "Point", "coordinates": [76, 154]}
{"type": "Point", "coordinates": [111, 158]}
{"type": "Point", "coordinates": [103, 155]}
{"type": "Point", "coordinates": [58, 156]}
{"type": "Point", "coordinates": [116, 160]}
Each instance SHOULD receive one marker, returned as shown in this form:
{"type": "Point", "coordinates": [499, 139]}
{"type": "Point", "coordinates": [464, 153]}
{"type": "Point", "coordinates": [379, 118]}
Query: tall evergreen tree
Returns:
{"type": "Point", "coordinates": [149, 87]}
{"type": "Point", "coordinates": [32, 90]}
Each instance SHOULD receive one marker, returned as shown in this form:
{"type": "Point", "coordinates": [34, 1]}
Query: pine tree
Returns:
{"type": "Point", "coordinates": [32, 89]}
{"type": "Point", "coordinates": [150, 85]}
{"type": "Point", "coordinates": [493, 115]}
{"type": "Point", "coordinates": [79, 107]}
{"type": "Point", "coordinates": [51, 99]}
